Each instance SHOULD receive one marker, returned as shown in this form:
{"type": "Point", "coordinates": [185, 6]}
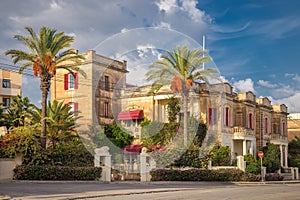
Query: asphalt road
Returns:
{"type": "Point", "coordinates": [145, 191]}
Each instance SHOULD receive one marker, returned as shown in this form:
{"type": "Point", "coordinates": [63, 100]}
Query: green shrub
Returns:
{"type": "Point", "coordinates": [72, 154]}
{"type": "Point", "coordinates": [274, 177]}
{"type": "Point", "coordinates": [253, 168]}
{"type": "Point", "coordinates": [202, 175]}
{"type": "Point", "coordinates": [45, 172]}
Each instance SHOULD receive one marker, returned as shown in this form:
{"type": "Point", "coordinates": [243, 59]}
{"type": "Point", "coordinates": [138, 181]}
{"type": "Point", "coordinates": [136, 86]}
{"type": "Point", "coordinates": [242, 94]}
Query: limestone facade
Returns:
{"type": "Point", "coordinates": [11, 85]}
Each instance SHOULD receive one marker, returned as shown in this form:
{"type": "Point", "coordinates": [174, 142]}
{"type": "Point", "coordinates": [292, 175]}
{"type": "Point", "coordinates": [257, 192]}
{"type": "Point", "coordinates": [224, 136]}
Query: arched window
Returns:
{"type": "Point", "coordinates": [283, 129]}
{"type": "Point", "coordinates": [266, 126]}
{"type": "Point", "coordinates": [227, 116]}
{"type": "Point", "coordinates": [251, 120]}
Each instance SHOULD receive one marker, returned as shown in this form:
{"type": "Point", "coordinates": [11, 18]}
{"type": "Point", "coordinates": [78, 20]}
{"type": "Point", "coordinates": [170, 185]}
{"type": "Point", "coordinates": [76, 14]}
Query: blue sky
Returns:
{"type": "Point", "coordinates": [254, 44]}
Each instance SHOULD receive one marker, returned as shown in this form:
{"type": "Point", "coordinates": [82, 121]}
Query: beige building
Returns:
{"type": "Point", "coordinates": [11, 85]}
{"type": "Point", "coordinates": [91, 97]}
{"type": "Point", "coordinates": [240, 121]}
{"type": "Point", "coordinates": [293, 126]}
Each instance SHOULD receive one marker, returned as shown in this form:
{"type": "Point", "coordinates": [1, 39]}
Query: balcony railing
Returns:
{"type": "Point", "coordinates": [278, 138]}
{"type": "Point", "coordinates": [242, 131]}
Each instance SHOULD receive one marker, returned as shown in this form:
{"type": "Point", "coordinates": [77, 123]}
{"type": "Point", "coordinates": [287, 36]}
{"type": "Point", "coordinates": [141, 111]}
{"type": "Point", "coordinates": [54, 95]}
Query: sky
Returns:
{"type": "Point", "coordinates": [254, 44]}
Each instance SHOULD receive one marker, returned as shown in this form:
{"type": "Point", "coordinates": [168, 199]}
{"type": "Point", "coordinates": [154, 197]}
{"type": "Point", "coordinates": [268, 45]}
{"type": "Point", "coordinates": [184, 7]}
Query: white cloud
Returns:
{"type": "Point", "coordinates": [291, 102]}
{"type": "Point", "coordinates": [283, 91]}
{"type": "Point", "coordinates": [167, 6]}
{"type": "Point", "coordinates": [244, 85]}
{"type": "Point", "coordinates": [190, 7]}
{"type": "Point", "coordinates": [266, 84]}
{"type": "Point", "coordinates": [296, 78]}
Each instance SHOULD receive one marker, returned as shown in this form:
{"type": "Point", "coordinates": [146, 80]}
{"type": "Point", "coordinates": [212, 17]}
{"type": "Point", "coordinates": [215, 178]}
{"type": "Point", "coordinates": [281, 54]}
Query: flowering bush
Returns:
{"type": "Point", "coordinates": [38, 172]}
{"type": "Point", "coordinates": [274, 177]}
{"type": "Point", "coordinates": [202, 175]}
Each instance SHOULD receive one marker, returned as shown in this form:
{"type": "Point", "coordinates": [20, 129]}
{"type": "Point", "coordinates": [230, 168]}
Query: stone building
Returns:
{"type": "Point", "coordinates": [11, 85]}
{"type": "Point", "coordinates": [240, 121]}
{"type": "Point", "coordinates": [293, 126]}
{"type": "Point", "coordinates": [90, 97]}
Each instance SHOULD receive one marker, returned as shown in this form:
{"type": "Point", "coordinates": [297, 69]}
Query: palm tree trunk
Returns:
{"type": "Point", "coordinates": [44, 86]}
{"type": "Point", "coordinates": [185, 118]}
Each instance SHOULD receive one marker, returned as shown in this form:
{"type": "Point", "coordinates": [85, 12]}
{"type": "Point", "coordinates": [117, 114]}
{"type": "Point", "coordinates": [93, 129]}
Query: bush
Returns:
{"type": "Point", "coordinates": [274, 177]}
{"type": "Point", "coordinates": [202, 175]}
{"type": "Point", "coordinates": [37, 172]}
{"type": "Point", "coordinates": [72, 154]}
{"type": "Point", "coordinates": [253, 168]}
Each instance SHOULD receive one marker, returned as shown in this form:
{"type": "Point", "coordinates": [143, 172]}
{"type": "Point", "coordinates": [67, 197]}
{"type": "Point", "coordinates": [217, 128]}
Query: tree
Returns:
{"type": "Point", "coordinates": [61, 121]}
{"type": "Point", "coordinates": [294, 153]}
{"type": "Point", "coordinates": [173, 109]}
{"type": "Point", "coordinates": [272, 157]}
{"type": "Point", "coordinates": [17, 112]}
{"type": "Point", "coordinates": [180, 69]}
{"type": "Point", "coordinates": [45, 54]}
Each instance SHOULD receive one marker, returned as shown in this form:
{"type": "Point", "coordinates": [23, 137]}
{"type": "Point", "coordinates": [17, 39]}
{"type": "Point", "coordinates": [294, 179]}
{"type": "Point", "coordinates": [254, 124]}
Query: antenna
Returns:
{"type": "Point", "coordinates": [203, 48]}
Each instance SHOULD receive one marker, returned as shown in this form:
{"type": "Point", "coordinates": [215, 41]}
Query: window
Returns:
{"type": "Point", "coordinates": [74, 107]}
{"type": "Point", "coordinates": [106, 83]}
{"type": "Point", "coordinates": [106, 106]}
{"type": "Point", "coordinates": [212, 116]}
{"type": "Point", "coordinates": [71, 81]}
{"type": "Point", "coordinates": [251, 121]}
{"type": "Point", "coordinates": [226, 116]}
{"type": "Point", "coordinates": [266, 125]}
{"type": "Point", "coordinates": [283, 129]}
{"type": "Point", "coordinates": [6, 83]}
{"type": "Point", "coordinates": [6, 101]}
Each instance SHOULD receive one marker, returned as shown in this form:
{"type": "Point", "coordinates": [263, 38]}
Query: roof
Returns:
{"type": "Point", "coordinates": [131, 114]}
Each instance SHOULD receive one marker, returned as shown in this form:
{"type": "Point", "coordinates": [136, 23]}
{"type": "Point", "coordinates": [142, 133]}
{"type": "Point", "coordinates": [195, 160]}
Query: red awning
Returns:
{"type": "Point", "coordinates": [131, 114]}
{"type": "Point", "coordinates": [133, 148]}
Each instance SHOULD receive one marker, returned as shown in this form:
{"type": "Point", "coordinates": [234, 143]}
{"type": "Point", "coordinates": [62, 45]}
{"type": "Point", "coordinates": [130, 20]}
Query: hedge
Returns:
{"type": "Point", "coordinates": [274, 177]}
{"type": "Point", "coordinates": [202, 175]}
{"type": "Point", "coordinates": [38, 172]}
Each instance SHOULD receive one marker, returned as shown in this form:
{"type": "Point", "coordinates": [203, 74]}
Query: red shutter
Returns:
{"type": "Point", "coordinates": [210, 116]}
{"type": "Point", "coordinates": [75, 80]}
{"type": "Point", "coordinates": [66, 81]}
{"type": "Point", "coordinates": [75, 109]}
{"type": "Point", "coordinates": [227, 117]}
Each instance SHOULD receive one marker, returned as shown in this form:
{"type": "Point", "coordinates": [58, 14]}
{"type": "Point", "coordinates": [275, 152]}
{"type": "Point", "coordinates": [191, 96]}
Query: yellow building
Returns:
{"type": "Point", "coordinates": [11, 85]}
{"type": "Point", "coordinates": [240, 121]}
{"type": "Point", "coordinates": [91, 96]}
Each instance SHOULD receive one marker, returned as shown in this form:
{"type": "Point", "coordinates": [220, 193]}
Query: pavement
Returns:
{"type": "Point", "coordinates": [33, 190]}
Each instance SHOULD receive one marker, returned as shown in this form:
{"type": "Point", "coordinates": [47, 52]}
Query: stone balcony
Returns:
{"type": "Point", "coordinates": [242, 131]}
{"type": "Point", "coordinates": [275, 138]}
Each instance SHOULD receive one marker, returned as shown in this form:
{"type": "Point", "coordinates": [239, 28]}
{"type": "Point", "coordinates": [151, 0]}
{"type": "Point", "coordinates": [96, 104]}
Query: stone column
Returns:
{"type": "Point", "coordinates": [281, 155]}
{"type": "Point", "coordinates": [286, 155]}
{"type": "Point", "coordinates": [241, 164]}
{"type": "Point", "coordinates": [244, 147]}
{"type": "Point", "coordinates": [102, 154]}
{"type": "Point", "coordinates": [146, 165]}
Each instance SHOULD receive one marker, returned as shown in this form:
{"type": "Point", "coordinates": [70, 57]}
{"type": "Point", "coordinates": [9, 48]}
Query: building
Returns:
{"type": "Point", "coordinates": [11, 85]}
{"type": "Point", "coordinates": [293, 126]}
{"type": "Point", "coordinates": [90, 97]}
{"type": "Point", "coordinates": [240, 121]}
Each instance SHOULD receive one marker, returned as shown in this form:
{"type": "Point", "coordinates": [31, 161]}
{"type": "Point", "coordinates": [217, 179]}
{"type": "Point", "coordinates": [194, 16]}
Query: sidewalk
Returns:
{"type": "Point", "coordinates": [33, 190]}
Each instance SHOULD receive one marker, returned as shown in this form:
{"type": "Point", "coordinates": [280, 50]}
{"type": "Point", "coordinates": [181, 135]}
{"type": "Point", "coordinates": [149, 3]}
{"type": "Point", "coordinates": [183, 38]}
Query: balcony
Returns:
{"type": "Point", "coordinates": [242, 131]}
{"type": "Point", "coordinates": [278, 138]}
{"type": "Point", "coordinates": [10, 91]}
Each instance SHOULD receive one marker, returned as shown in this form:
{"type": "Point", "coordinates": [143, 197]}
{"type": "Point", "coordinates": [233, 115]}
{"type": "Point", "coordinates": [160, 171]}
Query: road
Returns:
{"type": "Point", "coordinates": [145, 191]}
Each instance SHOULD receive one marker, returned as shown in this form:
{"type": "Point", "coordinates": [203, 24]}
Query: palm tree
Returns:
{"type": "Point", "coordinates": [61, 121]}
{"type": "Point", "coordinates": [180, 68]}
{"type": "Point", "coordinates": [45, 55]}
{"type": "Point", "coordinates": [17, 112]}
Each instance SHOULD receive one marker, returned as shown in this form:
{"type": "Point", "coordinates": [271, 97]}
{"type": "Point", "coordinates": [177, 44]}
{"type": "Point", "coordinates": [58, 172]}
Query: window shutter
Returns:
{"type": "Point", "coordinates": [66, 81]}
{"type": "Point", "coordinates": [75, 80]}
{"type": "Point", "coordinates": [210, 116]}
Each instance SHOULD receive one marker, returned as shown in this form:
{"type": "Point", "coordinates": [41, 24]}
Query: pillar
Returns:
{"type": "Point", "coordinates": [146, 165]}
{"type": "Point", "coordinates": [281, 155]}
{"type": "Point", "coordinates": [241, 164]}
{"type": "Point", "coordinates": [244, 147]}
{"type": "Point", "coordinates": [102, 154]}
{"type": "Point", "coordinates": [286, 155]}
